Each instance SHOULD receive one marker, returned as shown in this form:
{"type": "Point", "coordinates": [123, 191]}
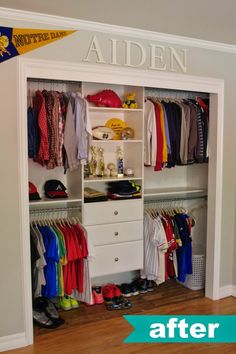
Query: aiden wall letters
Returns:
{"type": "Point", "coordinates": [133, 54]}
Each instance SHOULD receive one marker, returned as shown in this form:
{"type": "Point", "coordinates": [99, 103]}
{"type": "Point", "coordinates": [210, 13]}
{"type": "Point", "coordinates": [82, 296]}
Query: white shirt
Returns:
{"type": "Point", "coordinates": [155, 246]}
{"type": "Point", "coordinates": [150, 134]}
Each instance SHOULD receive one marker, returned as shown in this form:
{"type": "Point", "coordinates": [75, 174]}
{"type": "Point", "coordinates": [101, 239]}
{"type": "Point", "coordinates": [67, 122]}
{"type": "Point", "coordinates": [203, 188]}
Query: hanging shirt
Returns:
{"type": "Point", "coordinates": [33, 133]}
{"type": "Point", "coordinates": [155, 245]}
{"type": "Point", "coordinates": [159, 154]}
{"type": "Point", "coordinates": [150, 134]}
{"type": "Point", "coordinates": [52, 257]}
{"type": "Point", "coordinates": [83, 128]}
{"type": "Point", "coordinates": [40, 109]}
{"type": "Point", "coordinates": [70, 142]}
{"type": "Point", "coordinates": [163, 132]}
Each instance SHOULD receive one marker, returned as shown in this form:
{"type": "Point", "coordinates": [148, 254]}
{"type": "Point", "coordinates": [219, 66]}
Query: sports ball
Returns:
{"type": "Point", "coordinates": [103, 133]}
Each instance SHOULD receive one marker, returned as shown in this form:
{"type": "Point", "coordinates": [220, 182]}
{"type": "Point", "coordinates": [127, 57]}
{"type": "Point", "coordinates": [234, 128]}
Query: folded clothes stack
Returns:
{"type": "Point", "coordinates": [92, 195]}
{"type": "Point", "coordinates": [123, 190]}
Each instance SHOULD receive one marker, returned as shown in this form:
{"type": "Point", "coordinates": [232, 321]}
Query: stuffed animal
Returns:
{"type": "Point", "coordinates": [130, 101]}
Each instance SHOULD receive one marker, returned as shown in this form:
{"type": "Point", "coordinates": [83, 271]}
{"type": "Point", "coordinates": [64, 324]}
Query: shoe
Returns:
{"type": "Point", "coordinates": [107, 292]}
{"type": "Point", "coordinates": [134, 289]}
{"type": "Point", "coordinates": [150, 285]}
{"type": "Point", "coordinates": [97, 295]}
{"type": "Point", "coordinates": [118, 305]}
{"type": "Point", "coordinates": [74, 303]}
{"type": "Point", "coordinates": [126, 290]}
{"type": "Point", "coordinates": [116, 291]}
{"type": "Point", "coordinates": [42, 320]}
{"type": "Point", "coordinates": [65, 303]}
{"type": "Point", "coordinates": [141, 285]}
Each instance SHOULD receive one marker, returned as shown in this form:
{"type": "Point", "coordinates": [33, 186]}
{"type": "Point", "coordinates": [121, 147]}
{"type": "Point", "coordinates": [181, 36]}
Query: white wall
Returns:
{"type": "Point", "coordinates": [201, 62]}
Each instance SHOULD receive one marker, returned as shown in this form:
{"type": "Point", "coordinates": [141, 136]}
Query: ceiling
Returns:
{"type": "Point", "coordinates": [212, 20]}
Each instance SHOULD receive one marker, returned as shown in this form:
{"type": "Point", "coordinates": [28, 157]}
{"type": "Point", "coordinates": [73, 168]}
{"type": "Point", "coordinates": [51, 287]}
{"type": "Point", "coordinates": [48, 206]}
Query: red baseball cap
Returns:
{"type": "Point", "coordinates": [33, 193]}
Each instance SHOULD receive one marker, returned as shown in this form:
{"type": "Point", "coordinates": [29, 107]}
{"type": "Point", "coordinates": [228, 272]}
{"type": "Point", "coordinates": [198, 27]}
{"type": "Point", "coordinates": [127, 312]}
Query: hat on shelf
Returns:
{"type": "Point", "coordinates": [33, 193]}
{"type": "Point", "coordinates": [55, 189]}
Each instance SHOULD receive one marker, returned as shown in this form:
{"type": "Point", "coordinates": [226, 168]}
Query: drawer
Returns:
{"type": "Point", "coordinates": [115, 233]}
{"type": "Point", "coordinates": [114, 211]}
{"type": "Point", "coordinates": [117, 258]}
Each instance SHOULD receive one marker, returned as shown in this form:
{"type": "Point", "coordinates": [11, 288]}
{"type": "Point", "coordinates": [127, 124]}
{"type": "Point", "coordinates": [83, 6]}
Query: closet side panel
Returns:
{"type": "Point", "coordinates": [11, 308]}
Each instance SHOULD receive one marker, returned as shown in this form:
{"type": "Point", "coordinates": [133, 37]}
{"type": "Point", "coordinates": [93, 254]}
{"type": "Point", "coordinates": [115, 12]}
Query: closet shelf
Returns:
{"type": "Point", "coordinates": [110, 179]}
{"type": "Point", "coordinates": [110, 109]}
{"type": "Point", "coordinates": [178, 193]}
{"type": "Point", "coordinates": [46, 201]}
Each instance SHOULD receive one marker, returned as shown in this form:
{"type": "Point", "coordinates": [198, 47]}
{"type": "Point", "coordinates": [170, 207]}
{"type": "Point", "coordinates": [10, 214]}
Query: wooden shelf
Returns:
{"type": "Point", "coordinates": [45, 201]}
{"type": "Point", "coordinates": [178, 193]}
{"type": "Point", "coordinates": [110, 109]}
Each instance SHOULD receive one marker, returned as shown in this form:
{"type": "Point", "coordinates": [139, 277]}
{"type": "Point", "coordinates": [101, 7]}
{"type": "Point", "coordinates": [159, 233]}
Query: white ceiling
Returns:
{"type": "Point", "coordinates": [204, 19]}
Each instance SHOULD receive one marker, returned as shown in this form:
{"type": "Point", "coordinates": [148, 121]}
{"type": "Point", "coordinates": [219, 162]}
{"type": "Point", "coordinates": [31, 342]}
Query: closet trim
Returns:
{"type": "Point", "coordinates": [33, 68]}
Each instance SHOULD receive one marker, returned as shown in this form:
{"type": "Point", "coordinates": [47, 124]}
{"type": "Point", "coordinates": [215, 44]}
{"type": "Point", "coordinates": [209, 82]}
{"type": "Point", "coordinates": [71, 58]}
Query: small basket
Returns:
{"type": "Point", "coordinates": [196, 280]}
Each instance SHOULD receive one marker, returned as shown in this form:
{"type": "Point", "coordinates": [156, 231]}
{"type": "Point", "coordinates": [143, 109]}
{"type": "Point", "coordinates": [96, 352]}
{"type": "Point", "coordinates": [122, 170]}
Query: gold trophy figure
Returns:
{"type": "Point", "coordinates": [101, 164]}
{"type": "Point", "coordinates": [93, 161]}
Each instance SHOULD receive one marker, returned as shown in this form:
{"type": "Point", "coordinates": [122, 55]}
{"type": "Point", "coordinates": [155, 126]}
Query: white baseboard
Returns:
{"type": "Point", "coordinates": [13, 341]}
{"type": "Point", "coordinates": [234, 290]}
{"type": "Point", "coordinates": [228, 290]}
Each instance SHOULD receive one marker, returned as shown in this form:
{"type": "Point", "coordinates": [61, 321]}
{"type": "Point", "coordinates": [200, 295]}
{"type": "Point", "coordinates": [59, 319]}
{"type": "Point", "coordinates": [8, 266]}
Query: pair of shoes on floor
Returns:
{"type": "Point", "coordinates": [128, 290]}
{"type": "Point", "coordinates": [97, 296]}
{"type": "Point", "coordinates": [114, 299]}
{"type": "Point", "coordinates": [138, 286]}
{"type": "Point", "coordinates": [45, 313]}
{"type": "Point", "coordinates": [68, 303]}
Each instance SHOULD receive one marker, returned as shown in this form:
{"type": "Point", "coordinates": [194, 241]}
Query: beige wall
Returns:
{"type": "Point", "coordinates": [11, 318]}
{"type": "Point", "coordinates": [201, 62]}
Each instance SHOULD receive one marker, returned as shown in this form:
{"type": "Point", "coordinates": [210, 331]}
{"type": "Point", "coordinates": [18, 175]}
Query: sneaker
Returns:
{"type": "Point", "coordinates": [117, 293]}
{"type": "Point", "coordinates": [141, 285]}
{"type": "Point", "coordinates": [126, 290]}
{"type": "Point", "coordinates": [107, 292]}
{"type": "Point", "coordinates": [74, 303]}
{"type": "Point", "coordinates": [65, 303]}
{"type": "Point", "coordinates": [134, 289]}
{"type": "Point", "coordinates": [150, 285]}
{"type": "Point", "coordinates": [97, 295]}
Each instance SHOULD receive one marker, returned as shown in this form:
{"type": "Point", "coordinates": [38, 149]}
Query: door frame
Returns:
{"type": "Point", "coordinates": [33, 68]}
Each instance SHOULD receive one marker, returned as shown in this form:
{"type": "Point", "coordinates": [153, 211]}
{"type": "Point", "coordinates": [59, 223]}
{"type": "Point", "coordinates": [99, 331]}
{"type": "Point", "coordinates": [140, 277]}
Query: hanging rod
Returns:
{"type": "Point", "coordinates": [51, 210]}
{"type": "Point", "coordinates": [175, 199]}
{"type": "Point", "coordinates": [32, 79]}
{"type": "Point", "coordinates": [165, 93]}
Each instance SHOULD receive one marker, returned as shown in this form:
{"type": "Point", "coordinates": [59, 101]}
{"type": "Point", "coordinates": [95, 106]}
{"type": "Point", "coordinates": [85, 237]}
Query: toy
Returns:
{"type": "Point", "coordinates": [105, 98]}
{"type": "Point", "coordinates": [130, 101]}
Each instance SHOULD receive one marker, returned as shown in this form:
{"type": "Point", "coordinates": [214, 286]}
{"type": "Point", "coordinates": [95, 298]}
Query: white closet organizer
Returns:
{"type": "Point", "coordinates": [116, 227]}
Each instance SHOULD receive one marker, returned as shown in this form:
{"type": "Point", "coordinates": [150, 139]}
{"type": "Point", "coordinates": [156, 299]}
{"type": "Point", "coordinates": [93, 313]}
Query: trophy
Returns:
{"type": "Point", "coordinates": [120, 162]}
{"type": "Point", "coordinates": [101, 164]}
{"type": "Point", "coordinates": [93, 161]}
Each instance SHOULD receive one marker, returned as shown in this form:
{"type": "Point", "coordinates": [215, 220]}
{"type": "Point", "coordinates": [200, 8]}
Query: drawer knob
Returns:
{"type": "Point", "coordinates": [116, 259]}
{"type": "Point", "coordinates": [116, 212]}
{"type": "Point", "coordinates": [116, 233]}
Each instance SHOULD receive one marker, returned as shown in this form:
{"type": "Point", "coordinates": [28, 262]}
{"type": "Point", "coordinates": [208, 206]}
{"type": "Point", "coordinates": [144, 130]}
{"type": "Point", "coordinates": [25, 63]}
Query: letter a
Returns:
{"type": "Point", "coordinates": [94, 47]}
{"type": "Point", "coordinates": [159, 331]}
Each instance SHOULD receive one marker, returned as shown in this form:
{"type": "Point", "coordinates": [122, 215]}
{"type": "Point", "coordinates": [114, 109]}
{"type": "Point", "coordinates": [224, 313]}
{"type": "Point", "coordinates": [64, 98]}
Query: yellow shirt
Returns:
{"type": "Point", "coordinates": [163, 129]}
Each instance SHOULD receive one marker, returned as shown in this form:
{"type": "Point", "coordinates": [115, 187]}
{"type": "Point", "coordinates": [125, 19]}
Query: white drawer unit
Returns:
{"type": "Point", "coordinates": [117, 258]}
{"type": "Point", "coordinates": [113, 212]}
{"type": "Point", "coordinates": [115, 233]}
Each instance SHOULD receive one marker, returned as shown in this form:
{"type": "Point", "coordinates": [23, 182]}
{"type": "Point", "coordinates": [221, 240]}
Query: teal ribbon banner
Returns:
{"type": "Point", "coordinates": [182, 329]}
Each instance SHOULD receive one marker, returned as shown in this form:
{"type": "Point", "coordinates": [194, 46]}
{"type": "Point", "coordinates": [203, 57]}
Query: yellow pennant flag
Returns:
{"type": "Point", "coordinates": [17, 41]}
